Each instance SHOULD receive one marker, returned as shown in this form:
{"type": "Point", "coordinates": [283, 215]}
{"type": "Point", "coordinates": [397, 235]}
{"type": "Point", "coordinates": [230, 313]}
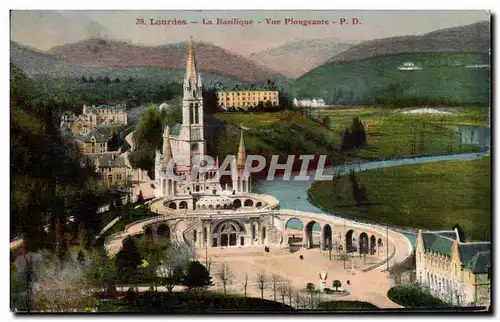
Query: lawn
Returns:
{"type": "Point", "coordinates": [391, 133]}
{"type": "Point", "coordinates": [430, 195]}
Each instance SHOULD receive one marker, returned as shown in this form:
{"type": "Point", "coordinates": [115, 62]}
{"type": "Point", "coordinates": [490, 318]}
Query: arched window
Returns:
{"type": "Point", "coordinates": [196, 116]}
{"type": "Point", "coordinates": [191, 113]}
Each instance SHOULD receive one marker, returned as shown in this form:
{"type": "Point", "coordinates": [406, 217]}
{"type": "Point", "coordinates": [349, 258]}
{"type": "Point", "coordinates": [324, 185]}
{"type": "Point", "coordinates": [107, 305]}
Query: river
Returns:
{"type": "Point", "coordinates": [293, 194]}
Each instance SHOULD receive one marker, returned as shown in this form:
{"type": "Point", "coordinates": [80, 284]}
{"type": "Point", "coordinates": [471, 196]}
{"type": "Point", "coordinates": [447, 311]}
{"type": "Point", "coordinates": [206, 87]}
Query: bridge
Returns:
{"type": "Point", "coordinates": [390, 247]}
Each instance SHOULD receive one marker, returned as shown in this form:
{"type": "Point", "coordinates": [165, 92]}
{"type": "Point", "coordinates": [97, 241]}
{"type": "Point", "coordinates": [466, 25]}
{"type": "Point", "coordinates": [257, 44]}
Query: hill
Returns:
{"type": "Point", "coordinates": [209, 58]}
{"type": "Point", "coordinates": [474, 38]}
{"type": "Point", "coordinates": [48, 27]}
{"type": "Point", "coordinates": [294, 59]}
{"type": "Point", "coordinates": [38, 63]}
{"type": "Point", "coordinates": [443, 79]}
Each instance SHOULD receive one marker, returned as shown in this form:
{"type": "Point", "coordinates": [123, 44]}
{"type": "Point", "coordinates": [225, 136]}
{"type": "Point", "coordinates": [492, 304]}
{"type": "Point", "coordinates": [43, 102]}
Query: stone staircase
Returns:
{"type": "Point", "coordinates": [191, 224]}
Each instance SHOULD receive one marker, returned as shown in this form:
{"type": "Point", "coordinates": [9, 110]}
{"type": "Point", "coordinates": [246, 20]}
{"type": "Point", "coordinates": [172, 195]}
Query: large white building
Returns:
{"type": "Point", "coordinates": [456, 272]}
{"type": "Point", "coordinates": [183, 143]}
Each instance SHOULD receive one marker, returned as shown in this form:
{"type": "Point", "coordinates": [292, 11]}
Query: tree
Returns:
{"type": "Point", "coordinates": [337, 284]}
{"type": "Point", "coordinates": [114, 142]}
{"type": "Point", "coordinates": [344, 257]}
{"type": "Point", "coordinates": [174, 261]}
{"type": "Point", "coordinates": [197, 277]}
{"type": "Point", "coordinates": [275, 279]}
{"type": "Point", "coordinates": [225, 275]}
{"type": "Point", "coordinates": [127, 260]}
{"type": "Point", "coordinates": [311, 290]}
{"type": "Point", "coordinates": [245, 283]}
{"type": "Point", "coordinates": [261, 283]}
{"type": "Point", "coordinates": [283, 288]}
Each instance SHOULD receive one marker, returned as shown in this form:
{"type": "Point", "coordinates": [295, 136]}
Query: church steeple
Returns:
{"type": "Point", "coordinates": [242, 155]}
{"type": "Point", "coordinates": [191, 78]}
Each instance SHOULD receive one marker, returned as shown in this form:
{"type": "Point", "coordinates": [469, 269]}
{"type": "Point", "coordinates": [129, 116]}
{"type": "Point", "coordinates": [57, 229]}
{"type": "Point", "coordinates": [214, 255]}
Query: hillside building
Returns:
{"type": "Point", "coordinates": [456, 272]}
{"type": "Point", "coordinates": [112, 168]}
{"type": "Point", "coordinates": [104, 114]}
{"type": "Point", "coordinates": [308, 101]}
{"type": "Point", "coordinates": [92, 142]}
{"type": "Point", "coordinates": [247, 99]}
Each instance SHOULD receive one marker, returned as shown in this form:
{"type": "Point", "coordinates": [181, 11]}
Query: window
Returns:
{"type": "Point", "coordinates": [110, 178]}
{"type": "Point", "coordinates": [119, 177]}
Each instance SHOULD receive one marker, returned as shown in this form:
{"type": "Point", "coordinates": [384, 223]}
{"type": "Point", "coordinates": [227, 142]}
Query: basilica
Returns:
{"type": "Point", "coordinates": [214, 215]}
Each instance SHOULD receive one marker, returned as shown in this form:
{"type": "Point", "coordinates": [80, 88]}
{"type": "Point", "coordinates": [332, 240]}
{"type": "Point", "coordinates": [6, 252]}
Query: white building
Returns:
{"type": "Point", "coordinates": [183, 143]}
{"type": "Point", "coordinates": [306, 101]}
{"type": "Point", "coordinates": [454, 271]}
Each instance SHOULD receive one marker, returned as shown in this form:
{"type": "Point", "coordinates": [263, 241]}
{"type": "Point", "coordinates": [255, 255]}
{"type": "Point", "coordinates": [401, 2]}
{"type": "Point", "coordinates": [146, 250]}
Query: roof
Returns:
{"type": "Point", "coordinates": [475, 256]}
{"type": "Point", "coordinates": [481, 262]}
{"type": "Point", "coordinates": [99, 136]}
{"type": "Point", "coordinates": [308, 97]}
{"type": "Point", "coordinates": [437, 243]}
{"type": "Point", "coordinates": [108, 160]}
{"type": "Point", "coordinates": [469, 251]}
{"type": "Point", "coordinates": [106, 107]}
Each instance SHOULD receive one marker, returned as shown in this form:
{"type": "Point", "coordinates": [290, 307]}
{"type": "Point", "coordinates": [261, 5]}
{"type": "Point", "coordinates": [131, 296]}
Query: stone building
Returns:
{"type": "Point", "coordinates": [246, 98]}
{"type": "Point", "coordinates": [104, 114]}
{"type": "Point", "coordinates": [454, 271]}
{"type": "Point", "coordinates": [112, 168]}
{"type": "Point", "coordinates": [92, 142]}
{"type": "Point", "coordinates": [183, 143]}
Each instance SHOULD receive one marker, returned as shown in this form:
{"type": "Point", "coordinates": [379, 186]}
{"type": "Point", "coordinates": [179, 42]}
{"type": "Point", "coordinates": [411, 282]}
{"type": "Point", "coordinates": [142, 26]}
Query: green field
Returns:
{"type": "Point", "coordinates": [280, 133]}
{"type": "Point", "coordinates": [444, 78]}
{"type": "Point", "coordinates": [391, 133]}
{"type": "Point", "coordinates": [431, 196]}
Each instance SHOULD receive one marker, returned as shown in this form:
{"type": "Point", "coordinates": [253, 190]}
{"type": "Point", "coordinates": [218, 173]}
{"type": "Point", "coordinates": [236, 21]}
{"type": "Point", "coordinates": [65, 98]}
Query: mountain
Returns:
{"type": "Point", "coordinates": [444, 78]}
{"type": "Point", "coordinates": [37, 63]}
{"type": "Point", "coordinates": [209, 58]}
{"type": "Point", "coordinates": [470, 38]}
{"type": "Point", "coordinates": [52, 27]}
{"type": "Point", "coordinates": [294, 59]}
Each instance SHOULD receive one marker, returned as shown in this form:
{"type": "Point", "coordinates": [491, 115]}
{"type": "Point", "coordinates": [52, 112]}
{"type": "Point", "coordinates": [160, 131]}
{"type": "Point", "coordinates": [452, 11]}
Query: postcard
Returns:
{"type": "Point", "coordinates": [250, 161]}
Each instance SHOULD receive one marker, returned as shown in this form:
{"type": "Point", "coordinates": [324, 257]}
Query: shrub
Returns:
{"type": "Point", "coordinates": [414, 296]}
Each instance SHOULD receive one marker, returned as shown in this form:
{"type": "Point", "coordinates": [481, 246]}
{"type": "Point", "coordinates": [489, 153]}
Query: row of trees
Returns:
{"type": "Point", "coordinates": [48, 182]}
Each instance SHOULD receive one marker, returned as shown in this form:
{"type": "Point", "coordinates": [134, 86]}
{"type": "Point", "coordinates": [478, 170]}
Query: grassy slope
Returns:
{"type": "Point", "coordinates": [432, 196]}
{"type": "Point", "coordinates": [280, 133]}
{"type": "Point", "coordinates": [443, 76]}
{"type": "Point", "coordinates": [389, 133]}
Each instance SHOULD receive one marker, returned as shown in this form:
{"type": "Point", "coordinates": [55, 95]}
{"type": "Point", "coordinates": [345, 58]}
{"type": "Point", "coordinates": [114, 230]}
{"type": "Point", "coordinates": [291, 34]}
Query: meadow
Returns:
{"type": "Point", "coordinates": [428, 196]}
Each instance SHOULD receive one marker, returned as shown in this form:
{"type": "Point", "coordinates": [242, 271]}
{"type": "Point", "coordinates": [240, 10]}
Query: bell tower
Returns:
{"type": "Point", "coordinates": [191, 138]}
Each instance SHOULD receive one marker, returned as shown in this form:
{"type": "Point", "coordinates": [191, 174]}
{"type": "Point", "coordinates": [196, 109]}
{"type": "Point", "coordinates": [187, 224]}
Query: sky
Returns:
{"type": "Point", "coordinates": [45, 29]}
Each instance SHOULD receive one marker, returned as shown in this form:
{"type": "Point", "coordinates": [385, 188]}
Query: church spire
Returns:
{"type": "Point", "coordinates": [167, 150]}
{"type": "Point", "coordinates": [191, 65]}
{"type": "Point", "coordinates": [242, 155]}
